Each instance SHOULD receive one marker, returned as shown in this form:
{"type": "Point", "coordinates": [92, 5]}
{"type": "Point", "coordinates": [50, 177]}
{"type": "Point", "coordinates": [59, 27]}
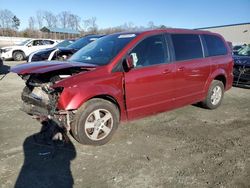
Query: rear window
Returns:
{"type": "Point", "coordinates": [187, 46]}
{"type": "Point", "coordinates": [215, 45]}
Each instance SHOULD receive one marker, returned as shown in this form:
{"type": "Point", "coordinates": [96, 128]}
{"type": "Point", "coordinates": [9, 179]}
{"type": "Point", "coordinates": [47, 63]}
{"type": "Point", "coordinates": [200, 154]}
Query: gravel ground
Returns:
{"type": "Point", "coordinates": [187, 147]}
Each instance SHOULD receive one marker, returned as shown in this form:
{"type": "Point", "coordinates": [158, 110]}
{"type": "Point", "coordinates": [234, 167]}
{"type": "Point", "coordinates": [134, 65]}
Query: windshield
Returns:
{"type": "Point", "coordinates": [80, 43]}
{"type": "Point", "coordinates": [101, 51]}
{"type": "Point", "coordinates": [65, 43]}
{"type": "Point", "coordinates": [23, 43]}
{"type": "Point", "coordinates": [245, 51]}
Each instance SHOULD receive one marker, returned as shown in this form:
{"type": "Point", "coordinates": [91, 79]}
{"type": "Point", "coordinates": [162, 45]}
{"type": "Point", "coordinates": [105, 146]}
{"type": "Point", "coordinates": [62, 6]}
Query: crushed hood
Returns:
{"type": "Point", "coordinates": [241, 60]}
{"type": "Point", "coordinates": [47, 66]}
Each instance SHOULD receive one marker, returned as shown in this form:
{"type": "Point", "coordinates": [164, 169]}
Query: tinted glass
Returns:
{"type": "Point", "coordinates": [78, 44]}
{"type": "Point", "coordinates": [48, 42]}
{"type": "Point", "coordinates": [37, 43]}
{"type": "Point", "coordinates": [103, 50]}
{"type": "Point", "coordinates": [245, 51]}
{"type": "Point", "coordinates": [150, 51]}
{"type": "Point", "coordinates": [215, 45]}
{"type": "Point", "coordinates": [64, 43]}
{"type": "Point", "coordinates": [187, 46]}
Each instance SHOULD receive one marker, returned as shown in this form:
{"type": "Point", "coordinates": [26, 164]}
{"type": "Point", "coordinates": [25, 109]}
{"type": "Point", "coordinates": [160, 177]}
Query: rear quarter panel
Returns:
{"type": "Point", "coordinates": [221, 65]}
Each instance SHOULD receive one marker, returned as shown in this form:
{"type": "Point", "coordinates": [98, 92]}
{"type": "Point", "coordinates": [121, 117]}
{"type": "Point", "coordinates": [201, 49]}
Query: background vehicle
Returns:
{"type": "Point", "coordinates": [25, 48]}
{"type": "Point", "coordinates": [65, 43]}
{"type": "Point", "coordinates": [62, 53]}
{"type": "Point", "coordinates": [237, 48]}
{"type": "Point", "coordinates": [126, 76]}
{"type": "Point", "coordinates": [242, 67]}
{"type": "Point", "coordinates": [1, 62]}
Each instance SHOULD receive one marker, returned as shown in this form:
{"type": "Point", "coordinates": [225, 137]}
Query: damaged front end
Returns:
{"type": "Point", "coordinates": [40, 96]}
{"type": "Point", "coordinates": [40, 99]}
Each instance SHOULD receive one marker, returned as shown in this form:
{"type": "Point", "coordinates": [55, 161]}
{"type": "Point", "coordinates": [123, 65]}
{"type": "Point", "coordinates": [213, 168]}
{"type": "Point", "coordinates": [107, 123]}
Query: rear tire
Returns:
{"type": "Point", "coordinates": [18, 56]}
{"type": "Point", "coordinates": [95, 122]}
{"type": "Point", "coordinates": [215, 95]}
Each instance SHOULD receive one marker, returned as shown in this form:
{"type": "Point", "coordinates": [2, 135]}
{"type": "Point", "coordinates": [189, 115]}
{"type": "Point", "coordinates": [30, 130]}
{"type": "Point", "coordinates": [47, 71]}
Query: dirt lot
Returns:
{"type": "Point", "coordinates": [187, 147]}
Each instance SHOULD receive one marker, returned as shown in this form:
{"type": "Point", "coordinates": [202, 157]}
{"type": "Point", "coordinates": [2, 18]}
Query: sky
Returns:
{"type": "Point", "coordinates": [109, 13]}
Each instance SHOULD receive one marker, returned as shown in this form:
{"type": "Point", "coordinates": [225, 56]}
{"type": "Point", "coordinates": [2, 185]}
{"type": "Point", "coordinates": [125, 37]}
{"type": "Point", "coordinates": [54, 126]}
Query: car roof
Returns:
{"type": "Point", "coordinates": [168, 30]}
{"type": "Point", "coordinates": [92, 35]}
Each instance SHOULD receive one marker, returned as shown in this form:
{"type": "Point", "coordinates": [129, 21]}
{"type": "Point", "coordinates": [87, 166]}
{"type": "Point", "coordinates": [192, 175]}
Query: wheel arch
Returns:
{"type": "Point", "coordinates": [108, 98]}
{"type": "Point", "coordinates": [73, 98]}
{"type": "Point", "coordinates": [77, 126]}
{"type": "Point", "coordinates": [220, 75]}
{"type": "Point", "coordinates": [221, 78]}
{"type": "Point", "coordinates": [18, 50]}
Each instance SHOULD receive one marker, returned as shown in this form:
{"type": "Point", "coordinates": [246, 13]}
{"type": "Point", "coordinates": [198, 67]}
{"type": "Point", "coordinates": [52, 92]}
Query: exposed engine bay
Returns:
{"type": "Point", "coordinates": [40, 99]}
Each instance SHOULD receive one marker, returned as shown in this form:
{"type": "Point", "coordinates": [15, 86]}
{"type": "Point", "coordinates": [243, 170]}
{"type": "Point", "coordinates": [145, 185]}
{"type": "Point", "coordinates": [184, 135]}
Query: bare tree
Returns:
{"type": "Point", "coordinates": [128, 26]}
{"type": "Point", "coordinates": [90, 25]}
{"type": "Point", "coordinates": [151, 25]}
{"type": "Point", "coordinates": [6, 19]}
{"type": "Point", "coordinates": [63, 18]}
{"type": "Point", "coordinates": [74, 22]}
{"type": "Point", "coordinates": [39, 18]}
{"type": "Point", "coordinates": [32, 22]}
{"type": "Point", "coordinates": [50, 19]}
{"type": "Point", "coordinates": [162, 27]}
{"type": "Point", "coordinates": [2, 19]}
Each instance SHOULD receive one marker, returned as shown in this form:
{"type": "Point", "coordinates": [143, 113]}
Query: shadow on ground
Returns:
{"type": "Point", "coordinates": [46, 163]}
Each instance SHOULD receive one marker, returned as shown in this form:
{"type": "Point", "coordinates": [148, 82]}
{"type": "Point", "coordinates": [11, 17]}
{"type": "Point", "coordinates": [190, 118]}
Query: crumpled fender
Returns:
{"type": "Point", "coordinates": [72, 98]}
{"type": "Point", "coordinates": [76, 93]}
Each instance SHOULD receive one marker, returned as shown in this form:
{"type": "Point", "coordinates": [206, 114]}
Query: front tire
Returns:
{"type": "Point", "coordinates": [215, 95]}
{"type": "Point", "coordinates": [18, 56]}
{"type": "Point", "coordinates": [95, 122]}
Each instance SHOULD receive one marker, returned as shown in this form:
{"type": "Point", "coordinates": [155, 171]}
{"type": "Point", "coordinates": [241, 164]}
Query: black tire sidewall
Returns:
{"type": "Point", "coordinates": [14, 56]}
{"type": "Point", "coordinates": [92, 105]}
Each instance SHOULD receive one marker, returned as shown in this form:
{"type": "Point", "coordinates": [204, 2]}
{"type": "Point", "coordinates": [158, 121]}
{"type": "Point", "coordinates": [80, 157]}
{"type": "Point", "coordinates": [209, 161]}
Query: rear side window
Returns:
{"type": "Point", "coordinates": [215, 45]}
{"type": "Point", "coordinates": [48, 42]}
{"type": "Point", "coordinates": [187, 46]}
{"type": "Point", "coordinates": [37, 42]}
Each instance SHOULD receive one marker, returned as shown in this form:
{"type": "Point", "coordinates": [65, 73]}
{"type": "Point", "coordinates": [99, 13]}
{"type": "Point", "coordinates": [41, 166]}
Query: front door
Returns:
{"type": "Point", "coordinates": [34, 46]}
{"type": "Point", "coordinates": [149, 85]}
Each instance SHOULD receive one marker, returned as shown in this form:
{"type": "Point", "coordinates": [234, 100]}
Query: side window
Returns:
{"type": "Point", "coordinates": [48, 42]}
{"type": "Point", "coordinates": [37, 43]}
{"type": "Point", "coordinates": [187, 46]}
{"type": "Point", "coordinates": [150, 51]}
{"type": "Point", "coordinates": [215, 45]}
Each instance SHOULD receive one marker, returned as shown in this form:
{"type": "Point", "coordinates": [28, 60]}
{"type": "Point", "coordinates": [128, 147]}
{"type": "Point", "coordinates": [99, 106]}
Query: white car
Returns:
{"type": "Point", "coordinates": [25, 48]}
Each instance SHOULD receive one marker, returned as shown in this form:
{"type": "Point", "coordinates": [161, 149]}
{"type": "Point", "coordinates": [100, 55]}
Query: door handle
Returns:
{"type": "Point", "coordinates": [166, 71]}
{"type": "Point", "coordinates": [180, 69]}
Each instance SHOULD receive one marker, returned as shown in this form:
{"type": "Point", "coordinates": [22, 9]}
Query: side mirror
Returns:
{"type": "Point", "coordinates": [130, 62]}
{"type": "Point", "coordinates": [29, 45]}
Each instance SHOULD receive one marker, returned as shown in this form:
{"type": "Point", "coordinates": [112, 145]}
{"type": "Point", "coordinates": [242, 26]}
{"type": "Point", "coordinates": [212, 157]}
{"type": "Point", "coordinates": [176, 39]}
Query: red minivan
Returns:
{"type": "Point", "coordinates": [125, 76]}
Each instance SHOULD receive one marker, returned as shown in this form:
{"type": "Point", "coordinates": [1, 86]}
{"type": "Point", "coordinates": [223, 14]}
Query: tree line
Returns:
{"type": "Point", "coordinates": [10, 23]}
